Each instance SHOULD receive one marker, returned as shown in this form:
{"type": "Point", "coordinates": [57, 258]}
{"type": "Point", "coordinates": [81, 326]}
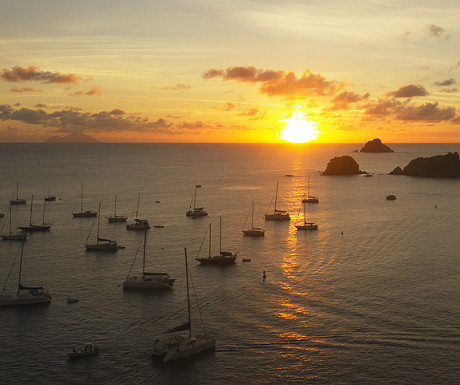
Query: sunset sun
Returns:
{"type": "Point", "coordinates": [299, 128]}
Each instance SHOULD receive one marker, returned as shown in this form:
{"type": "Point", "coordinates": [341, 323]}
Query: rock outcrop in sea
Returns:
{"type": "Point", "coordinates": [342, 165]}
{"type": "Point", "coordinates": [439, 166]}
{"type": "Point", "coordinates": [376, 145]}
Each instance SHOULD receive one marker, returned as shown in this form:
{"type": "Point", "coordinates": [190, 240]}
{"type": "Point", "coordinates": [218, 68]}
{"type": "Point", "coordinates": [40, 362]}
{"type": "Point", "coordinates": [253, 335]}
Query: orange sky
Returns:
{"type": "Point", "coordinates": [200, 71]}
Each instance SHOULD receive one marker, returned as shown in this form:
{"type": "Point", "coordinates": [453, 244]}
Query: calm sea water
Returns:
{"type": "Point", "coordinates": [378, 304]}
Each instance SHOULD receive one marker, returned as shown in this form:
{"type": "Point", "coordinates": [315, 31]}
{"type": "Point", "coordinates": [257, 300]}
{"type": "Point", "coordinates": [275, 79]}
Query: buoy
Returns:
{"type": "Point", "coordinates": [264, 276]}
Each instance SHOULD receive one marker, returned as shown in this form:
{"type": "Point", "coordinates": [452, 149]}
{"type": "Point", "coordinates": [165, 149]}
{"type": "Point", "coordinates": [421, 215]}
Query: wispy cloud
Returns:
{"type": "Point", "coordinates": [33, 73]}
{"type": "Point", "coordinates": [95, 90]}
{"type": "Point", "coordinates": [24, 89]}
{"type": "Point", "coordinates": [344, 99]}
{"type": "Point", "coordinates": [177, 87]}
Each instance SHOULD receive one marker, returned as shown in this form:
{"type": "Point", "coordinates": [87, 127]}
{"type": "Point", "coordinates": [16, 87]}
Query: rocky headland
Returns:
{"type": "Point", "coordinates": [439, 166]}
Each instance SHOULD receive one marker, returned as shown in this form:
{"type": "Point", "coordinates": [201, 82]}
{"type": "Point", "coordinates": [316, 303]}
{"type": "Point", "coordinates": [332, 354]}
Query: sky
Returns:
{"type": "Point", "coordinates": [326, 71]}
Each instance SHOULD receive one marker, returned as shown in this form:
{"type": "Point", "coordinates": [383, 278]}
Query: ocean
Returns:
{"type": "Point", "coordinates": [372, 297]}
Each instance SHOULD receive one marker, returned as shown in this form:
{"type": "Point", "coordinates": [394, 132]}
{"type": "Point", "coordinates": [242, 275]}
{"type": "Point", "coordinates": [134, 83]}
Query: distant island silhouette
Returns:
{"type": "Point", "coordinates": [76, 137]}
{"type": "Point", "coordinates": [376, 145]}
{"type": "Point", "coordinates": [439, 166]}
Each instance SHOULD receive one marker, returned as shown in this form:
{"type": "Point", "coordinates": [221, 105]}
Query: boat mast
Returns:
{"type": "Point", "coordinates": [143, 260]}
{"type": "Point", "coordinates": [137, 206]}
{"type": "Point", "coordinates": [188, 296]}
{"type": "Point", "coordinates": [17, 190]}
{"type": "Point", "coordinates": [115, 212]}
{"type": "Point", "coordinates": [30, 215]}
{"type": "Point", "coordinates": [81, 199]}
{"type": "Point", "coordinates": [194, 198]}
{"type": "Point", "coordinates": [220, 236]}
{"type": "Point", "coordinates": [98, 220]}
{"type": "Point", "coordinates": [20, 265]}
{"type": "Point", "coordinates": [276, 194]}
{"type": "Point", "coordinates": [209, 240]}
{"type": "Point", "coordinates": [43, 217]}
{"type": "Point", "coordinates": [10, 221]}
{"type": "Point", "coordinates": [252, 220]}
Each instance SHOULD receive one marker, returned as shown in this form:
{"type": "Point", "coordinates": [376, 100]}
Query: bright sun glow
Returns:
{"type": "Point", "coordinates": [299, 128]}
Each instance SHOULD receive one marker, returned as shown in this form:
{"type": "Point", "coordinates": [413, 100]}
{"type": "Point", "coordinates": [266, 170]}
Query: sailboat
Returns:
{"type": "Point", "coordinates": [25, 295]}
{"type": "Point", "coordinates": [17, 201]}
{"type": "Point", "coordinates": [253, 231]}
{"type": "Point", "coordinates": [33, 228]}
{"type": "Point", "coordinates": [18, 236]}
{"type": "Point", "coordinates": [101, 244]}
{"type": "Point", "coordinates": [116, 218]}
{"type": "Point", "coordinates": [138, 224]}
{"type": "Point", "coordinates": [148, 280]}
{"type": "Point", "coordinates": [177, 347]}
{"type": "Point", "coordinates": [310, 198]}
{"type": "Point", "coordinates": [50, 198]}
{"type": "Point", "coordinates": [278, 215]}
{"type": "Point", "coordinates": [84, 214]}
{"type": "Point", "coordinates": [224, 258]}
{"type": "Point", "coordinates": [306, 225]}
{"type": "Point", "coordinates": [197, 211]}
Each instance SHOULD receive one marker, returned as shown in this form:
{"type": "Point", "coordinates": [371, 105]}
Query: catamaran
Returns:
{"type": "Point", "coordinates": [176, 347]}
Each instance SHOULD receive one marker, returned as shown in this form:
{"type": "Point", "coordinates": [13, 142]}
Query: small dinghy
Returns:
{"type": "Point", "coordinates": [87, 350]}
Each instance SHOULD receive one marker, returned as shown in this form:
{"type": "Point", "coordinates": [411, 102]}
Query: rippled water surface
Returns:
{"type": "Point", "coordinates": [372, 297]}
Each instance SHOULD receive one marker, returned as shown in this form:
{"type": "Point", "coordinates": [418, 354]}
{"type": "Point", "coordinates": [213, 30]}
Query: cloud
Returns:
{"type": "Point", "coordinates": [253, 113]}
{"type": "Point", "coordinates": [409, 91]}
{"type": "Point", "coordinates": [278, 83]}
{"type": "Point", "coordinates": [444, 83]}
{"type": "Point", "coordinates": [427, 112]}
{"type": "Point", "coordinates": [95, 90]}
{"type": "Point", "coordinates": [176, 87]}
{"type": "Point", "coordinates": [344, 99]}
{"type": "Point", "coordinates": [437, 32]}
{"type": "Point", "coordinates": [24, 89]}
{"type": "Point", "coordinates": [32, 73]}
{"type": "Point", "coordinates": [229, 106]}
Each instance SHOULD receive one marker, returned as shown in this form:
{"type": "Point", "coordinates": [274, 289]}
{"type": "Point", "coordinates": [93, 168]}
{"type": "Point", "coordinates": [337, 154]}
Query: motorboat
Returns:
{"type": "Point", "coordinates": [85, 351]}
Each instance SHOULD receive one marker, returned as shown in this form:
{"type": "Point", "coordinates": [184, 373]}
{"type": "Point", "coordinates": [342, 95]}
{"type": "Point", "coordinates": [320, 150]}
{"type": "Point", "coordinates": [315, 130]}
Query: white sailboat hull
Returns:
{"type": "Point", "coordinates": [254, 232]}
{"type": "Point", "coordinates": [189, 347]}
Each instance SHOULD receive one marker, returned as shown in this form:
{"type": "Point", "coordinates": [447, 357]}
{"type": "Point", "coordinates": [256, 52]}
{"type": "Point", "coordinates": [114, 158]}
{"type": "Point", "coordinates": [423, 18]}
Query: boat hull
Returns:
{"type": "Point", "coordinates": [35, 228]}
{"type": "Point", "coordinates": [217, 260]}
{"type": "Point", "coordinates": [189, 348]}
{"type": "Point", "coordinates": [24, 299]}
{"type": "Point", "coordinates": [15, 237]}
{"type": "Point", "coordinates": [196, 213]}
{"type": "Point", "coordinates": [117, 219]}
{"type": "Point", "coordinates": [161, 281]}
{"type": "Point", "coordinates": [18, 202]}
{"type": "Point", "coordinates": [310, 200]}
{"type": "Point", "coordinates": [277, 217]}
{"type": "Point", "coordinates": [307, 226]}
{"type": "Point", "coordinates": [103, 247]}
{"type": "Point", "coordinates": [85, 214]}
{"type": "Point", "coordinates": [254, 233]}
